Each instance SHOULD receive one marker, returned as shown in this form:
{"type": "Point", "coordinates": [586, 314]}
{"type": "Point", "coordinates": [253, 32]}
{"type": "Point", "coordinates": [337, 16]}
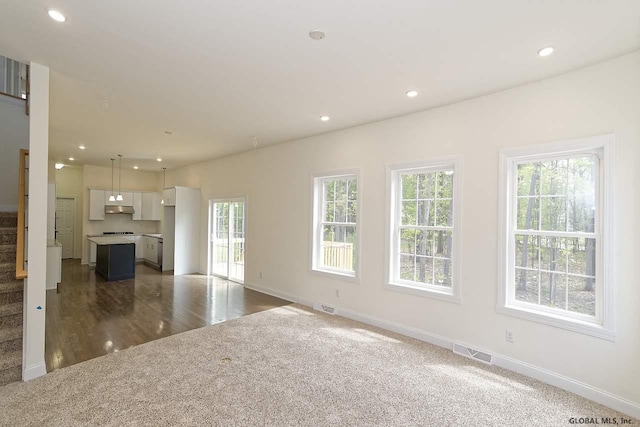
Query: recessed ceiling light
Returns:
{"type": "Point", "coordinates": [82, 147]}
{"type": "Point", "coordinates": [412, 93]}
{"type": "Point", "coordinates": [71, 159]}
{"type": "Point", "coordinates": [316, 34]}
{"type": "Point", "coordinates": [545, 51]}
{"type": "Point", "coordinates": [158, 159]}
{"type": "Point", "coordinates": [56, 16]}
{"type": "Point", "coordinates": [325, 118]}
{"type": "Point", "coordinates": [135, 167]}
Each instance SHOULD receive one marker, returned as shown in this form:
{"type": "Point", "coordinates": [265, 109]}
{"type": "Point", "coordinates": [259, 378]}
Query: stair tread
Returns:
{"type": "Point", "coordinates": [15, 286]}
{"type": "Point", "coordinates": [10, 309]}
{"type": "Point", "coordinates": [11, 360]}
{"type": "Point", "coordinates": [7, 267]}
{"type": "Point", "coordinates": [10, 333]}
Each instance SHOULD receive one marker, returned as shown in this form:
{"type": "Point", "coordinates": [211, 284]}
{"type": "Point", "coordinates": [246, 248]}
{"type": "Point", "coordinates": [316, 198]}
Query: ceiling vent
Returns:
{"type": "Point", "coordinates": [471, 353]}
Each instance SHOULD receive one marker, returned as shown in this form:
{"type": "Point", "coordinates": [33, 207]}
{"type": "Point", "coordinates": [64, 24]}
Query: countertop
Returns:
{"type": "Point", "coordinates": [110, 240]}
{"type": "Point", "coordinates": [156, 235]}
{"type": "Point", "coordinates": [53, 243]}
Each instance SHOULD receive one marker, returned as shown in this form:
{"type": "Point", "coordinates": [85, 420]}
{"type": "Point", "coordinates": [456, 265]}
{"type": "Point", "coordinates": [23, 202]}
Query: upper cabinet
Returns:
{"type": "Point", "coordinates": [146, 206]}
{"type": "Point", "coordinates": [137, 206]}
{"type": "Point", "coordinates": [96, 204]}
{"type": "Point", "coordinates": [169, 196]}
{"type": "Point", "coordinates": [151, 206]}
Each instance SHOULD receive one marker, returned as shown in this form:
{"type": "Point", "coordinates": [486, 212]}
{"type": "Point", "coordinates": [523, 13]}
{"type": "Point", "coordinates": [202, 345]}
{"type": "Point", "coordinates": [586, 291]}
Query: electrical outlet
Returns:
{"type": "Point", "coordinates": [509, 335]}
{"type": "Point", "coordinates": [337, 293]}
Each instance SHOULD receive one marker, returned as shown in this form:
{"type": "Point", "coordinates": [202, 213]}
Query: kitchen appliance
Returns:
{"type": "Point", "coordinates": [160, 246]}
{"type": "Point", "coordinates": [118, 209]}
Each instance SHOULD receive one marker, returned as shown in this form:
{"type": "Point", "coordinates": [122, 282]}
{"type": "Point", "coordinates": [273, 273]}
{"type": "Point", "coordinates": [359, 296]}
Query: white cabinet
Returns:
{"type": "Point", "coordinates": [96, 204]}
{"type": "Point", "coordinates": [93, 252]}
{"type": "Point", "coordinates": [127, 198]}
{"type": "Point", "coordinates": [54, 264]}
{"type": "Point", "coordinates": [169, 196]}
{"type": "Point", "coordinates": [151, 206]}
{"type": "Point", "coordinates": [150, 249]}
{"type": "Point", "coordinates": [181, 230]}
{"type": "Point", "coordinates": [139, 247]}
{"type": "Point", "coordinates": [137, 207]}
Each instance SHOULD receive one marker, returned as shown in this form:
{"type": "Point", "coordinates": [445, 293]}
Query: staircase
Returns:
{"type": "Point", "coordinates": [11, 294]}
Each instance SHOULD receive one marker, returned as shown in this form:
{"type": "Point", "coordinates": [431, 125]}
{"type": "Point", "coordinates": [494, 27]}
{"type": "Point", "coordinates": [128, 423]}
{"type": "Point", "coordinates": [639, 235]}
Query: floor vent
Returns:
{"type": "Point", "coordinates": [478, 355]}
{"type": "Point", "coordinates": [325, 308]}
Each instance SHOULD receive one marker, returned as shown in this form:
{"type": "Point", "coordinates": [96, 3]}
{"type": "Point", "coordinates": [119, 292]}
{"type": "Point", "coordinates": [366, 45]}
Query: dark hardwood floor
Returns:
{"type": "Point", "coordinates": [88, 317]}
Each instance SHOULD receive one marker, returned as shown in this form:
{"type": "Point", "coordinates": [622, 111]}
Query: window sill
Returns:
{"type": "Point", "coordinates": [336, 275]}
{"type": "Point", "coordinates": [424, 292]}
{"type": "Point", "coordinates": [557, 321]}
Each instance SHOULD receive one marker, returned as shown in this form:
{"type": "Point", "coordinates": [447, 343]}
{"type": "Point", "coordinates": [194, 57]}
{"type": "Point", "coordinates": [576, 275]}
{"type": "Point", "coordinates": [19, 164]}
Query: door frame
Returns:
{"type": "Point", "coordinates": [245, 200]}
{"type": "Point", "coordinates": [73, 225]}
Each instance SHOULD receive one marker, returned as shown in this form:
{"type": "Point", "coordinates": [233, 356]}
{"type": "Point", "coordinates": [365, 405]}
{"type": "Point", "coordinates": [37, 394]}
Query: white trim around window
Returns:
{"type": "Point", "coordinates": [335, 236]}
{"type": "Point", "coordinates": [599, 321]}
{"type": "Point", "coordinates": [445, 269]}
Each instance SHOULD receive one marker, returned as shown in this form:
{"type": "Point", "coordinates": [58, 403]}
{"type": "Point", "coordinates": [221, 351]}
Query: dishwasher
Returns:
{"type": "Point", "coordinates": [160, 245]}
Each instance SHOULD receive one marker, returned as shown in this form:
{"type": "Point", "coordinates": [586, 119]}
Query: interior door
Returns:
{"type": "Point", "coordinates": [227, 239]}
{"type": "Point", "coordinates": [65, 220]}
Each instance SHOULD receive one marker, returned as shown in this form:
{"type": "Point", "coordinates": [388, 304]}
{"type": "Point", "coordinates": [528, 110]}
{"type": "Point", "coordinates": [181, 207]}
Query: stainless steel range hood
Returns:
{"type": "Point", "coordinates": [118, 209]}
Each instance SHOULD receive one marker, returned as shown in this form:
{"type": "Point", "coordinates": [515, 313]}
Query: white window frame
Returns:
{"type": "Point", "coordinates": [394, 205]}
{"type": "Point", "coordinates": [601, 325]}
{"type": "Point", "coordinates": [316, 237]}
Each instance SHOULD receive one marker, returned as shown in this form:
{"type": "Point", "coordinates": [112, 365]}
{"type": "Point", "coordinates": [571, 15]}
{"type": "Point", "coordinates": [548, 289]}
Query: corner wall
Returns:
{"type": "Point", "coordinates": [600, 99]}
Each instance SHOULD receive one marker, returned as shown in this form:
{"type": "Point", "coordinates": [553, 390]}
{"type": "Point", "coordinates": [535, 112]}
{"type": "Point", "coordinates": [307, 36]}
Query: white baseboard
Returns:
{"type": "Point", "coordinates": [278, 294]}
{"type": "Point", "coordinates": [35, 371]}
{"type": "Point", "coordinates": [581, 389]}
{"type": "Point", "coordinates": [8, 208]}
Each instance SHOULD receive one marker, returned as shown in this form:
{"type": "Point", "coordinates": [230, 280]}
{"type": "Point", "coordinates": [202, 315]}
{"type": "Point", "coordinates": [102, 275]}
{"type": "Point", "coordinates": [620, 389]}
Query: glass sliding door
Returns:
{"type": "Point", "coordinates": [226, 248]}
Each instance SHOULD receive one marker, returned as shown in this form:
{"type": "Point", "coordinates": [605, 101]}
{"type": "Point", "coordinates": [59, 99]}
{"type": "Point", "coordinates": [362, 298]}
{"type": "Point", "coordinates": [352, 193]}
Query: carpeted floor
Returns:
{"type": "Point", "coordinates": [284, 367]}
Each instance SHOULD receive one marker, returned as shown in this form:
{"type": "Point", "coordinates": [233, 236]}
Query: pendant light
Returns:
{"type": "Point", "coordinates": [120, 198]}
{"type": "Point", "coordinates": [111, 197]}
{"type": "Point", "coordinates": [164, 182]}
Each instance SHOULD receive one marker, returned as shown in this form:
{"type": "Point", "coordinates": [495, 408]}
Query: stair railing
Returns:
{"type": "Point", "coordinates": [23, 226]}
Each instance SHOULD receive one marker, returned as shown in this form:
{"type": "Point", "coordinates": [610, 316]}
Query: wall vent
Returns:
{"type": "Point", "coordinates": [325, 308]}
{"type": "Point", "coordinates": [471, 353]}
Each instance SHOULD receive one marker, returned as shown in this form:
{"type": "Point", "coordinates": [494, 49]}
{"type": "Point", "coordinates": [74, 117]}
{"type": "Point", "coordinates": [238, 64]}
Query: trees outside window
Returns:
{"type": "Point", "coordinates": [423, 226]}
{"type": "Point", "coordinates": [554, 208]}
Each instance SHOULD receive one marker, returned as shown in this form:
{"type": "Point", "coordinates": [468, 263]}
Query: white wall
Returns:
{"type": "Point", "coordinates": [601, 99]}
{"type": "Point", "coordinates": [97, 177]}
{"type": "Point", "coordinates": [70, 183]}
{"type": "Point", "coordinates": [14, 135]}
{"type": "Point", "coordinates": [35, 286]}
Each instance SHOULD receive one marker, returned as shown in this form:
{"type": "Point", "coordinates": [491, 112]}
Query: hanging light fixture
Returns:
{"type": "Point", "coordinates": [164, 182]}
{"type": "Point", "coordinates": [111, 197]}
{"type": "Point", "coordinates": [120, 198]}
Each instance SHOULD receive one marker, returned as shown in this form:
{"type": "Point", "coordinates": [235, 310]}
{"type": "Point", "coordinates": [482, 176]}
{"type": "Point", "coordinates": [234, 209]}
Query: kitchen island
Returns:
{"type": "Point", "coordinates": [115, 258]}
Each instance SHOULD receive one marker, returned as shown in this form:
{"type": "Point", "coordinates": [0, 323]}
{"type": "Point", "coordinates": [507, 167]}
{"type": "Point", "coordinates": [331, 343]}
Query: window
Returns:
{"type": "Point", "coordinates": [423, 237]}
{"type": "Point", "coordinates": [555, 239]}
{"type": "Point", "coordinates": [335, 243]}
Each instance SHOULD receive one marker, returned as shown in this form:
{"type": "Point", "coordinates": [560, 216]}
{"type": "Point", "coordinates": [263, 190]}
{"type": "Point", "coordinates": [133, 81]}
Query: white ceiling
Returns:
{"type": "Point", "coordinates": [217, 73]}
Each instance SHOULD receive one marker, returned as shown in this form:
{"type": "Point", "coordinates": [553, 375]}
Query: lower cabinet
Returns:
{"type": "Point", "coordinates": [150, 249]}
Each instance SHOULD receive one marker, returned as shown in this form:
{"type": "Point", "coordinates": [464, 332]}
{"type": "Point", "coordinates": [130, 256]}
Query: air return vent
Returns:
{"type": "Point", "coordinates": [469, 352]}
{"type": "Point", "coordinates": [325, 308]}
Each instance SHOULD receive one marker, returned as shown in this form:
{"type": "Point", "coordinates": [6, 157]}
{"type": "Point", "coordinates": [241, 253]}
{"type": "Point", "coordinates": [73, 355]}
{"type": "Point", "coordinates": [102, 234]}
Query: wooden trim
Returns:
{"type": "Point", "coordinates": [21, 272]}
{"type": "Point", "coordinates": [12, 96]}
{"type": "Point", "coordinates": [27, 87]}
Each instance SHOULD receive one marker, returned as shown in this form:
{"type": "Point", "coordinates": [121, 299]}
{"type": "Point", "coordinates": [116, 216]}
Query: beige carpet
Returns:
{"type": "Point", "coordinates": [286, 367]}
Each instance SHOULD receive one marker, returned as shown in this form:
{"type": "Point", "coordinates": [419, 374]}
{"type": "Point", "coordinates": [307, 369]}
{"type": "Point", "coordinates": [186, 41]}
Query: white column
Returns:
{"type": "Point", "coordinates": [33, 364]}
